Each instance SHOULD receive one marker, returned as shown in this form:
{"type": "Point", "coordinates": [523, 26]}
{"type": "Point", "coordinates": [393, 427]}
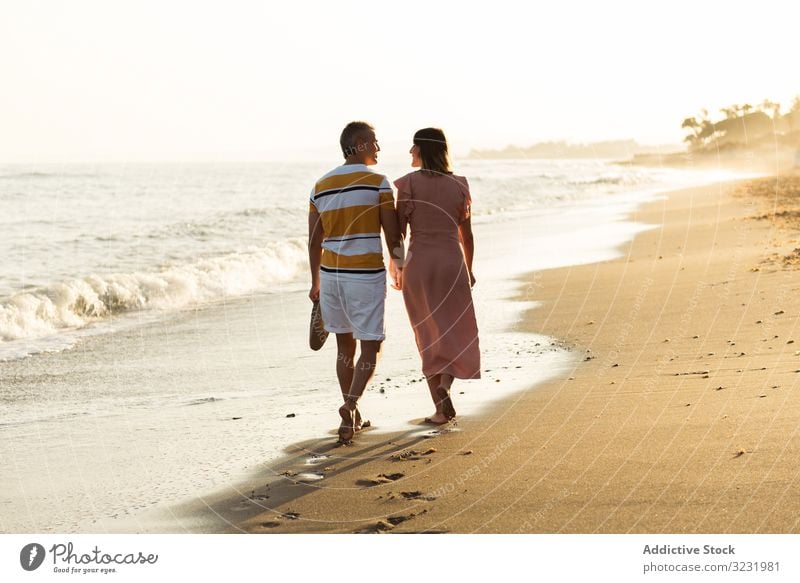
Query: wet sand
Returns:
{"type": "Point", "coordinates": [681, 415]}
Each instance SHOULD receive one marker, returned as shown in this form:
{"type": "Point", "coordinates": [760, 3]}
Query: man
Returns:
{"type": "Point", "coordinates": [349, 207]}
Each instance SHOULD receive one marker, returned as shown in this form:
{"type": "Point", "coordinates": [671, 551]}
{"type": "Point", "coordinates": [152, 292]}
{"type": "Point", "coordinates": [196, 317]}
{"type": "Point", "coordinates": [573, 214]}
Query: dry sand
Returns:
{"type": "Point", "coordinates": [682, 415]}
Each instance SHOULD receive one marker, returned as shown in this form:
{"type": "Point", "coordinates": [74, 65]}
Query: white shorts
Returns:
{"type": "Point", "coordinates": [353, 305]}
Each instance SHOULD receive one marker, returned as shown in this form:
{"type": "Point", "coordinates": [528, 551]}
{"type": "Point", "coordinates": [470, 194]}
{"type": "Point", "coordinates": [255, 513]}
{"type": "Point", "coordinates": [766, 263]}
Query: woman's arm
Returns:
{"type": "Point", "coordinates": [468, 243]}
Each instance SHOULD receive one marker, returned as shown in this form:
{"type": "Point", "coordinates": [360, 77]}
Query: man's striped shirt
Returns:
{"type": "Point", "coordinates": [348, 200]}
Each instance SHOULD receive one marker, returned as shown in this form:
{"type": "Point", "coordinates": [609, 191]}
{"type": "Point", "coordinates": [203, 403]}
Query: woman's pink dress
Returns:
{"type": "Point", "coordinates": [436, 286]}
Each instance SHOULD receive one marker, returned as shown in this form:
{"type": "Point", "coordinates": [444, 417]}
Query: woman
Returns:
{"type": "Point", "coordinates": [437, 278]}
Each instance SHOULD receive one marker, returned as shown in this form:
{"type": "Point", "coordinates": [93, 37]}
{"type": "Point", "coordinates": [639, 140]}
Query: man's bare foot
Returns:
{"type": "Point", "coordinates": [359, 423]}
{"type": "Point", "coordinates": [347, 428]}
{"type": "Point", "coordinates": [446, 404]}
{"type": "Point", "coordinates": [436, 419]}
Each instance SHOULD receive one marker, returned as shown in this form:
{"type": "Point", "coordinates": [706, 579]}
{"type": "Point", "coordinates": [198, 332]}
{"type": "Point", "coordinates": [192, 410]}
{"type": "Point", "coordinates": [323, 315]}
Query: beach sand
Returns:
{"type": "Point", "coordinates": [680, 416]}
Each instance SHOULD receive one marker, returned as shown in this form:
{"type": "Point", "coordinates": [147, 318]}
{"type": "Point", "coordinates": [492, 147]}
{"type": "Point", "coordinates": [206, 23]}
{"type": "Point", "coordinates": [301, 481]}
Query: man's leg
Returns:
{"type": "Point", "coordinates": [345, 365]}
{"type": "Point", "coordinates": [365, 367]}
{"type": "Point", "coordinates": [363, 373]}
{"type": "Point", "coordinates": [345, 361]}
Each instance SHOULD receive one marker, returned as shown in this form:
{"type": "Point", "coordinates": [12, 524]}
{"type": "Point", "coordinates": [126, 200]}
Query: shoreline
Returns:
{"type": "Point", "coordinates": [205, 460]}
{"type": "Point", "coordinates": [177, 410]}
{"type": "Point", "coordinates": [600, 450]}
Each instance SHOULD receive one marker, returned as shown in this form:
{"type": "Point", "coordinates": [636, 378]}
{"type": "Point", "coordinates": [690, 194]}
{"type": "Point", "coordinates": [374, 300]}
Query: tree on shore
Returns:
{"type": "Point", "coordinates": [701, 129]}
{"type": "Point", "coordinates": [793, 117]}
{"type": "Point", "coordinates": [743, 126]}
{"type": "Point", "coordinates": [771, 107]}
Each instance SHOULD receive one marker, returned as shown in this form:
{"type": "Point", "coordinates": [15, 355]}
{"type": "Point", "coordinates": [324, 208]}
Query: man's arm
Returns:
{"type": "Point", "coordinates": [315, 235]}
{"type": "Point", "coordinates": [394, 242]}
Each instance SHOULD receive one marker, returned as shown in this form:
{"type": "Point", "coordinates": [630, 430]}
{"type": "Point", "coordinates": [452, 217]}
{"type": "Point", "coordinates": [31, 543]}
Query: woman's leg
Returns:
{"type": "Point", "coordinates": [446, 381]}
{"type": "Point", "coordinates": [443, 396]}
{"type": "Point", "coordinates": [434, 382]}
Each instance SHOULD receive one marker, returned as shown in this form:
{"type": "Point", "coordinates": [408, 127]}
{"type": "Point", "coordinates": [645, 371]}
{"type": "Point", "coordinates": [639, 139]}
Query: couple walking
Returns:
{"type": "Point", "coordinates": [350, 206]}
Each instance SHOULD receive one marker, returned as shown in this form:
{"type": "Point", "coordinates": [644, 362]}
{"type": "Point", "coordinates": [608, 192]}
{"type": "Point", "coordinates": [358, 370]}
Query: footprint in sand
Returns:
{"type": "Point", "coordinates": [388, 524]}
{"type": "Point", "coordinates": [395, 520]}
{"type": "Point", "coordinates": [445, 429]}
{"type": "Point", "coordinates": [411, 454]}
{"type": "Point", "coordinates": [417, 495]}
{"type": "Point", "coordinates": [381, 479]}
{"type": "Point", "coordinates": [370, 482]}
{"type": "Point", "coordinates": [377, 528]}
{"type": "Point", "coordinates": [393, 477]}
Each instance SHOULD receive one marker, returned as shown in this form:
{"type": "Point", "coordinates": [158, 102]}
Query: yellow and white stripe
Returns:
{"type": "Point", "coordinates": [348, 200]}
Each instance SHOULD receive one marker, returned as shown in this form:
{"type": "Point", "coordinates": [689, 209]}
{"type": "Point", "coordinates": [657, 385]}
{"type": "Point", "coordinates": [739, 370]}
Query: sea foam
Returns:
{"type": "Point", "coordinates": [78, 302]}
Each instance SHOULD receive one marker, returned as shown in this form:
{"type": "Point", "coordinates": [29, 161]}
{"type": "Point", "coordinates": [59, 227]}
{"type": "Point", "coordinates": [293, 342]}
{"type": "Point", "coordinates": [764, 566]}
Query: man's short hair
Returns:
{"type": "Point", "coordinates": [349, 134]}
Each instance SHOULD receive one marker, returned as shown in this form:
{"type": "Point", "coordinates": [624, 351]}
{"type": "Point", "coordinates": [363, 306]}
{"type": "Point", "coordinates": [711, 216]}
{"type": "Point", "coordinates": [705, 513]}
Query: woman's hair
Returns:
{"type": "Point", "coordinates": [433, 151]}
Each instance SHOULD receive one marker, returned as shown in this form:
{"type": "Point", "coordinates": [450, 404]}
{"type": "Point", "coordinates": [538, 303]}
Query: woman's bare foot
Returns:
{"type": "Point", "coordinates": [436, 419]}
{"type": "Point", "coordinates": [347, 428]}
{"type": "Point", "coordinates": [446, 404]}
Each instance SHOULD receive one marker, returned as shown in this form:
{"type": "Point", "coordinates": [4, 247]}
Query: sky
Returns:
{"type": "Point", "coordinates": [168, 80]}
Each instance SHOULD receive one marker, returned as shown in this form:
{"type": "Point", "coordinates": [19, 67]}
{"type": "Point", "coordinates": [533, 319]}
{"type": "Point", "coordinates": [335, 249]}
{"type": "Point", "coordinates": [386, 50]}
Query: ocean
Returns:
{"type": "Point", "coordinates": [153, 323]}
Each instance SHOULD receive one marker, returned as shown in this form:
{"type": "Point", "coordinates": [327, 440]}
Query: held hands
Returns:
{"type": "Point", "coordinates": [313, 295]}
{"type": "Point", "coordinates": [397, 275]}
